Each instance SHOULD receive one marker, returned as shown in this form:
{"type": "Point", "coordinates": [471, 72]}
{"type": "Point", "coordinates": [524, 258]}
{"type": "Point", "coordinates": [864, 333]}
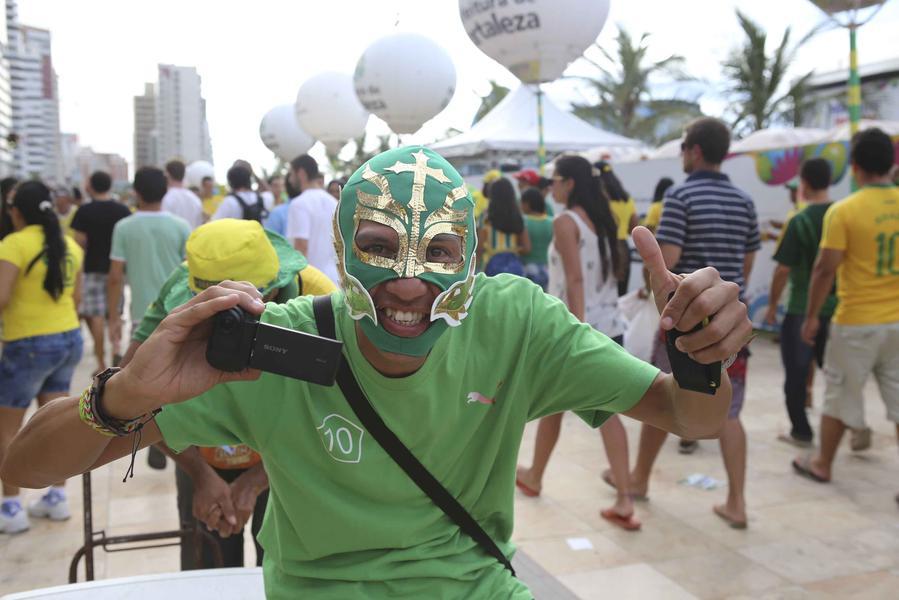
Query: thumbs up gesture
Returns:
{"type": "Point", "coordinates": [698, 296]}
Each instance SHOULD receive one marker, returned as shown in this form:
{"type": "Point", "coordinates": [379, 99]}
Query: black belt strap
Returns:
{"type": "Point", "coordinates": [365, 412]}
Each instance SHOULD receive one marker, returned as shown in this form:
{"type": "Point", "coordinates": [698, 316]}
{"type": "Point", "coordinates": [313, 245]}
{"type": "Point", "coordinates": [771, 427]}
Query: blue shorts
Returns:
{"type": "Point", "coordinates": [43, 364]}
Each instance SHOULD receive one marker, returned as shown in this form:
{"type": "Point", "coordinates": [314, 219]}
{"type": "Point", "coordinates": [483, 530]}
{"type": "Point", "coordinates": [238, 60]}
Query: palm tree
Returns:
{"type": "Point", "coordinates": [756, 80]}
{"type": "Point", "coordinates": [490, 100]}
{"type": "Point", "coordinates": [345, 168]}
{"type": "Point", "coordinates": [625, 104]}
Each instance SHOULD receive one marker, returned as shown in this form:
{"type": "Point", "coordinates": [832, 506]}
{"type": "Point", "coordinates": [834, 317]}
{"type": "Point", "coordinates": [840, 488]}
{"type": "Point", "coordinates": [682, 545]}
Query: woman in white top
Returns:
{"type": "Point", "coordinates": [582, 260]}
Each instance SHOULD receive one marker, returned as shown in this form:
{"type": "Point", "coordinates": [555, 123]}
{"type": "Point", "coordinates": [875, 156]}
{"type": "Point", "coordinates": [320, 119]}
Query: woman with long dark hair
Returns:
{"type": "Point", "coordinates": [654, 213]}
{"type": "Point", "coordinates": [625, 211]}
{"type": "Point", "coordinates": [502, 236]}
{"type": "Point", "coordinates": [582, 259]}
{"type": "Point", "coordinates": [40, 274]}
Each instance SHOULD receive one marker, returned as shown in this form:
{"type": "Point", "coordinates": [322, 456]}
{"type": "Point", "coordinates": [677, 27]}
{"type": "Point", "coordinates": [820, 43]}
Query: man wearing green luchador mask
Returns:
{"type": "Point", "coordinates": [455, 363]}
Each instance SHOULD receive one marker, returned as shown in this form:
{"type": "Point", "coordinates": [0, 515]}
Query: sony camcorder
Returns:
{"type": "Point", "coordinates": [239, 341]}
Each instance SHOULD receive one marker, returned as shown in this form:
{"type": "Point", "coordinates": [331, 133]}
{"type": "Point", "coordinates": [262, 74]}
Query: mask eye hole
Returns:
{"type": "Point", "coordinates": [377, 240]}
{"type": "Point", "coordinates": [445, 248]}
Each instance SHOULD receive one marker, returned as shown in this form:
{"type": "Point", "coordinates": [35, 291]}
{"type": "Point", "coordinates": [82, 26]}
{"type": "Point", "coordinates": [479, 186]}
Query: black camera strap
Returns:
{"type": "Point", "coordinates": [401, 455]}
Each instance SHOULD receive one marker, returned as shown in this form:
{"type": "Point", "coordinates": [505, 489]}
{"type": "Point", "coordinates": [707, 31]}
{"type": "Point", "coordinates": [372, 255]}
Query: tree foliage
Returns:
{"type": "Point", "coordinates": [756, 80]}
{"type": "Point", "coordinates": [490, 100]}
{"type": "Point", "coordinates": [625, 103]}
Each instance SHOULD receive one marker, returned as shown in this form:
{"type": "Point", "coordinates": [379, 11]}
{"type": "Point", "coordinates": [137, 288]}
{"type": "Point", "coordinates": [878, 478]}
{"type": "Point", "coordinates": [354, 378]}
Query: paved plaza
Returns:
{"type": "Point", "coordinates": [805, 540]}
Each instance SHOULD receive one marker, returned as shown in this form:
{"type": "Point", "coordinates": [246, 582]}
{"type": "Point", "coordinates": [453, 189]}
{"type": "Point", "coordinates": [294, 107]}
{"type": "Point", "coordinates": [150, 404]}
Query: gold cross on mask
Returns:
{"type": "Point", "coordinates": [421, 171]}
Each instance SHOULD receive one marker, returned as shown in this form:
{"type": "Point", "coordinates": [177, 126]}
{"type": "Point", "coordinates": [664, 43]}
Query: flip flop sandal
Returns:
{"type": "Point", "coordinates": [734, 524]}
{"type": "Point", "coordinates": [526, 490]}
{"type": "Point", "coordinates": [607, 477]}
{"type": "Point", "coordinates": [628, 523]}
{"type": "Point", "coordinates": [805, 471]}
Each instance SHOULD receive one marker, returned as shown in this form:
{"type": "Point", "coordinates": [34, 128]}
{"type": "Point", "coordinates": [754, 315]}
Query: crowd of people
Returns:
{"type": "Point", "coordinates": [433, 279]}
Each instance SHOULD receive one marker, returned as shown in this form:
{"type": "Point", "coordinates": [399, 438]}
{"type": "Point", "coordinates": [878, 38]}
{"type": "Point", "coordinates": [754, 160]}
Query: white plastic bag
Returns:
{"type": "Point", "coordinates": [642, 318]}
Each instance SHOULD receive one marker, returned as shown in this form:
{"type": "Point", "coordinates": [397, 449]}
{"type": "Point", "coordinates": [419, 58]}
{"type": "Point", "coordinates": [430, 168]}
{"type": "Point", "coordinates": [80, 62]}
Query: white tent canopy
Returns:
{"type": "Point", "coordinates": [512, 127]}
{"type": "Point", "coordinates": [769, 139]}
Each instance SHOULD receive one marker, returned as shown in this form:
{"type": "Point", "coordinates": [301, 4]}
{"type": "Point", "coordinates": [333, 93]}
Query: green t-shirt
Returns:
{"type": "Point", "coordinates": [151, 244]}
{"type": "Point", "coordinates": [540, 230]}
{"type": "Point", "coordinates": [343, 520]}
{"type": "Point", "coordinates": [798, 250]}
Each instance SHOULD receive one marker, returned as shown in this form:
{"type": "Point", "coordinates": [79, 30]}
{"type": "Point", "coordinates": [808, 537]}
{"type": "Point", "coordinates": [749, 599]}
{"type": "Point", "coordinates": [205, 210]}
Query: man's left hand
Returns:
{"type": "Point", "coordinates": [698, 296]}
{"type": "Point", "coordinates": [244, 492]}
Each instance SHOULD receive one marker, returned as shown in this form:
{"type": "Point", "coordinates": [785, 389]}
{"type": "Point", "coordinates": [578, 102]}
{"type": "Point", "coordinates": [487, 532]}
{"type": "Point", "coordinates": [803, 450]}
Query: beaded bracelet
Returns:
{"type": "Point", "coordinates": [91, 411]}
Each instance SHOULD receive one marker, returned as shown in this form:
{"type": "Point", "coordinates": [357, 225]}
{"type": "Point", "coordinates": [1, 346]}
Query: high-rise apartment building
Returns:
{"type": "Point", "coordinates": [35, 104]}
{"type": "Point", "coordinates": [181, 128]}
{"type": "Point", "coordinates": [6, 157]}
{"type": "Point", "coordinates": [145, 128]}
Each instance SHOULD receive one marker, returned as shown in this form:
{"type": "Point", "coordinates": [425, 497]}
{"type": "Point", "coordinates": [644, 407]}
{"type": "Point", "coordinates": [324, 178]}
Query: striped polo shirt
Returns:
{"type": "Point", "coordinates": [713, 223]}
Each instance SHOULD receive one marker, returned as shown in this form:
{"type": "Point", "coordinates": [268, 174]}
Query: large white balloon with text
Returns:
{"type": "Point", "coordinates": [282, 134]}
{"type": "Point", "coordinates": [535, 39]}
{"type": "Point", "coordinates": [405, 79]}
{"type": "Point", "coordinates": [327, 107]}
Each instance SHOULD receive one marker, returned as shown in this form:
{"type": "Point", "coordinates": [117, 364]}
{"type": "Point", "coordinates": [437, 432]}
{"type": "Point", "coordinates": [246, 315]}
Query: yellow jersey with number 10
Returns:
{"type": "Point", "coordinates": [865, 226]}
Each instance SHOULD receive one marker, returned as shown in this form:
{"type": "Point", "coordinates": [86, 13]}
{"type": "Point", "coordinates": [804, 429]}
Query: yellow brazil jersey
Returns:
{"type": "Point", "coordinates": [653, 216]}
{"type": "Point", "coordinates": [31, 311]}
{"type": "Point", "coordinates": [865, 226]}
{"type": "Point", "coordinates": [211, 204]}
{"type": "Point", "coordinates": [623, 211]}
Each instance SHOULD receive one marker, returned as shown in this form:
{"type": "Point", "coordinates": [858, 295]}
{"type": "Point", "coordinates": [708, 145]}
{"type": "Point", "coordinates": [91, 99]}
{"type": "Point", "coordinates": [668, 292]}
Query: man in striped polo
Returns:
{"type": "Point", "coordinates": [707, 222]}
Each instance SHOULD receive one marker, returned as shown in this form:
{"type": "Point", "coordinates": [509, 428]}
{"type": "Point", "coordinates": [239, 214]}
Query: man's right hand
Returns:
{"type": "Point", "coordinates": [771, 315]}
{"type": "Point", "coordinates": [170, 366]}
{"type": "Point", "coordinates": [212, 504]}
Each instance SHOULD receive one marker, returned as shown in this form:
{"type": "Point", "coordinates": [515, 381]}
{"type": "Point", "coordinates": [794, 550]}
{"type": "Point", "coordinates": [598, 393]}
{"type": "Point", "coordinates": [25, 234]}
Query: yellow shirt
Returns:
{"type": "Point", "coordinates": [653, 216]}
{"type": "Point", "coordinates": [623, 211]}
{"type": "Point", "coordinates": [211, 204]}
{"type": "Point", "coordinates": [865, 226]}
{"type": "Point", "coordinates": [31, 310]}
{"type": "Point", "coordinates": [65, 222]}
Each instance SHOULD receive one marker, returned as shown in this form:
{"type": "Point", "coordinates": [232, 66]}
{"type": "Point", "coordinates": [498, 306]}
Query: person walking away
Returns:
{"type": "Point", "coordinates": [707, 221]}
{"type": "Point", "coordinates": [243, 202]}
{"type": "Point", "coordinates": [540, 233]}
{"type": "Point", "coordinates": [860, 248]}
{"type": "Point", "coordinates": [795, 256]}
{"type": "Point", "coordinates": [502, 236]}
{"type": "Point", "coordinates": [310, 217]}
{"type": "Point", "coordinates": [529, 179]}
{"type": "Point", "coordinates": [40, 274]}
{"type": "Point", "coordinates": [582, 259]}
{"type": "Point", "coordinates": [625, 211]}
{"type": "Point", "coordinates": [230, 477]}
{"type": "Point", "coordinates": [179, 200]}
{"type": "Point", "coordinates": [147, 246]}
{"type": "Point", "coordinates": [654, 213]}
{"type": "Point", "coordinates": [93, 223]}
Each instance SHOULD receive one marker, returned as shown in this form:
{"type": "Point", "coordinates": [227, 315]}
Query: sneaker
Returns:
{"type": "Point", "coordinates": [860, 439]}
{"type": "Point", "coordinates": [687, 446]}
{"type": "Point", "coordinates": [53, 505]}
{"type": "Point", "coordinates": [12, 518]}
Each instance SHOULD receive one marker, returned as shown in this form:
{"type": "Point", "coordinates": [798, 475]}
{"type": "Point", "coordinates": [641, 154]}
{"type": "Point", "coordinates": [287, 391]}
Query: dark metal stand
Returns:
{"type": "Point", "coordinates": [94, 539]}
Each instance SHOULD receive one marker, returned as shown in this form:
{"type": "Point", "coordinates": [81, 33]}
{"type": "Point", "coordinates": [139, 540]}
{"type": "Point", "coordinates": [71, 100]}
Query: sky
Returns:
{"type": "Point", "coordinates": [254, 56]}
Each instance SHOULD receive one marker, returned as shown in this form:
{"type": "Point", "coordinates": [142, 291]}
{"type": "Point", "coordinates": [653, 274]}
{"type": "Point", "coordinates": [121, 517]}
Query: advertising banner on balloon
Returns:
{"type": "Point", "coordinates": [535, 39]}
{"type": "Point", "coordinates": [405, 98]}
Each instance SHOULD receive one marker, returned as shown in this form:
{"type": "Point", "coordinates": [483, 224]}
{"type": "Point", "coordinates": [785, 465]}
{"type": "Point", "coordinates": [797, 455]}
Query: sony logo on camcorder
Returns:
{"type": "Point", "coordinates": [277, 349]}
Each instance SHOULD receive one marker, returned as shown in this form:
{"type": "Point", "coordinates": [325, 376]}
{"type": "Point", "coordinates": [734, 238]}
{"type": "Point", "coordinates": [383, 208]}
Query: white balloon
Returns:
{"type": "Point", "coordinates": [327, 107]}
{"type": "Point", "coordinates": [536, 40]}
{"type": "Point", "coordinates": [405, 79]}
{"type": "Point", "coordinates": [196, 172]}
{"type": "Point", "coordinates": [281, 133]}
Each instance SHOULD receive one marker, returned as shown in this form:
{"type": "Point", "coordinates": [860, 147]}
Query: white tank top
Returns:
{"type": "Point", "coordinates": [600, 297]}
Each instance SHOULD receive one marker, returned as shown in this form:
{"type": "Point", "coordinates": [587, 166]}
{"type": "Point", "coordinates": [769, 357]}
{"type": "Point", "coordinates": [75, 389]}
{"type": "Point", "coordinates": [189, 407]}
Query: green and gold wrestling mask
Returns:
{"type": "Point", "coordinates": [420, 196]}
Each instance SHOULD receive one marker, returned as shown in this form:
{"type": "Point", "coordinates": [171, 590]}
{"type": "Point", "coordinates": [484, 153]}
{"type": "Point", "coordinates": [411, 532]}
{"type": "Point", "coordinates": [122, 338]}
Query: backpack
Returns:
{"type": "Point", "coordinates": [252, 212]}
{"type": "Point", "coordinates": [504, 262]}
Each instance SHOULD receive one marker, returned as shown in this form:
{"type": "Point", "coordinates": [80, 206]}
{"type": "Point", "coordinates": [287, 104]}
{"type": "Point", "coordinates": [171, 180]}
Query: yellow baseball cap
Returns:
{"type": "Point", "coordinates": [240, 250]}
{"type": "Point", "coordinates": [492, 175]}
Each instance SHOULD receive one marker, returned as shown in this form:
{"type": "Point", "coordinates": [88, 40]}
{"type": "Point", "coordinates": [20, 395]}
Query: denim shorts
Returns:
{"type": "Point", "coordinates": [43, 364]}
